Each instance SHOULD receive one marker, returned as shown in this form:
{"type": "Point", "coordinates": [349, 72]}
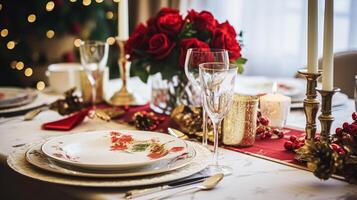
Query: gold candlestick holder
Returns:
{"type": "Point", "coordinates": [326, 117]}
{"type": "Point", "coordinates": [123, 96]}
{"type": "Point", "coordinates": [311, 104]}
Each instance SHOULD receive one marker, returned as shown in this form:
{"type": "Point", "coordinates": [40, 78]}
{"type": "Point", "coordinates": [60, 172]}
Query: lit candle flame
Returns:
{"type": "Point", "coordinates": [275, 87]}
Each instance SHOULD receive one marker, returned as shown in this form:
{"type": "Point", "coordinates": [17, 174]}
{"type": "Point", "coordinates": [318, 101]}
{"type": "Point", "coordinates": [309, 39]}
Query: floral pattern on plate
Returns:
{"type": "Point", "coordinates": [60, 153]}
{"type": "Point", "coordinates": [155, 149]}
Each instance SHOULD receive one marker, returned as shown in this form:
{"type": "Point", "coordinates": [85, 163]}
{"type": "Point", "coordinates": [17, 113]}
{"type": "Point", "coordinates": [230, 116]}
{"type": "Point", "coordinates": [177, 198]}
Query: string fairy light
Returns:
{"type": "Point", "coordinates": [72, 1]}
{"type": "Point", "coordinates": [77, 42]}
{"type": "Point", "coordinates": [11, 45]}
{"type": "Point", "coordinates": [99, 1]}
{"type": "Point", "coordinates": [116, 1]}
{"type": "Point", "coordinates": [109, 15]}
{"type": "Point", "coordinates": [28, 72]}
{"type": "Point", "coordinates": [50, 34]}
{"type": "Point", "coordinates": [40, 85]}
{"type": "Point", "coordinates": [31, 18]}
{"type": "Point", "coordinates": [4, 32]}
{"type": "Point", "coordinates": [19, 65]}
{"type": "Point", "coordinates": [50, 6]}
{"type": "Point", "coordinates": [86, 2]}
{"type": "Point", "coordinates": [110, 40]}
{"type": "Point", "coordinates": [13, 64]}
{"type": "Point", "coordinates": [0, 6]}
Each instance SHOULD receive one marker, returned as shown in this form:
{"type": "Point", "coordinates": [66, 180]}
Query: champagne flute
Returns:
{"type": "Point", "coordinates": [194, 57]}
{"type": "Point", "coordinates": [94, 57]}
{"type": "Point", "coordinates": [218, 86]}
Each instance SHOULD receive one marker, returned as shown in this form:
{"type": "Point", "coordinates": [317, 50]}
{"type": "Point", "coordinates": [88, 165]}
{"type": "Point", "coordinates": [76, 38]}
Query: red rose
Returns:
{"type": "Point", "coordinates": [203, 20]}
{"type": "Point", "coordinates": [160, 46]}
{"type": "Point", "coordinates": [190, 43]}
{"type": "Point", "coordinates": [191, 14]}
{"type": "Point", "coordinates": [151, 26]}
{"type": "Point", "coordinates": [169, 21]}
{"type": "Point", "coordinates": [136, 40]}
{"type": "Point", "coordinates": [224, 37]}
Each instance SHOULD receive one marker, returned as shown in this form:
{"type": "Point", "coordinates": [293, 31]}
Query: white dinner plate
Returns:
{"type": "Point", "coordinates": [337, 100]}
{"type": "Point", "coordinates": [14, 97]}
{"type": "Point", "coordinates": [114, 150]}
{"type": "Point", "coordinates": [17, 161]}
{"type": "Point", "coordinates": [35, 156]}
{"type": "Point", "coordinates": [254, 85]}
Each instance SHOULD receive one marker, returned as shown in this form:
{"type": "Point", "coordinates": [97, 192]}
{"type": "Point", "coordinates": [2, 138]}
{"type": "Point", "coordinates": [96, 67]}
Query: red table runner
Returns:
{"type": "Point", "coordinates": [272, 149]}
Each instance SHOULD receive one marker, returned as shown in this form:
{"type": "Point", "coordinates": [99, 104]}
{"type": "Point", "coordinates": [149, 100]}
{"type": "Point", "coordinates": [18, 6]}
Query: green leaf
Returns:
{"type": "Point", "coordinates": [240, 64]}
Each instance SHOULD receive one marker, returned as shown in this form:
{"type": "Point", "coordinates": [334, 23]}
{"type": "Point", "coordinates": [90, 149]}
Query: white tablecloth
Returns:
{"type": "Point", "coordinates": [253, 178]}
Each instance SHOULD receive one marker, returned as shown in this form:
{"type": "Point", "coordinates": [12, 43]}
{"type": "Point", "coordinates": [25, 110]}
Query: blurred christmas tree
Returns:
{"type": "Point", "coordinates": [35, 33]}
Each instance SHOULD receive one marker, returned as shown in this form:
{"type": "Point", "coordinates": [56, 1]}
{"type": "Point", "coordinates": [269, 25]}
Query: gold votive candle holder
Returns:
{"type": "Point", "coordinates": [239, 125]}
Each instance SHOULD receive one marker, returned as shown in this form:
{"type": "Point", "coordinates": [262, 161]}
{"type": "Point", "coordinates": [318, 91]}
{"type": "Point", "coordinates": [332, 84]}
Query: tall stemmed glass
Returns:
{"type": "Point", "coordinates": [194, 57]}
{"type": "Point", "coordinates": [218, 86]}
{"type": "Point", "coordinates": [94, 57]}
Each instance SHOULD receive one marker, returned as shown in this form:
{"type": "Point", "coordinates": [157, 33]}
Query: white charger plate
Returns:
{"type": "Point", "coordinates": [17, 161]}
{"type": "Point", "coordinates": [35, 156]}
{"type": "Point", "coordinates": [96, 151]}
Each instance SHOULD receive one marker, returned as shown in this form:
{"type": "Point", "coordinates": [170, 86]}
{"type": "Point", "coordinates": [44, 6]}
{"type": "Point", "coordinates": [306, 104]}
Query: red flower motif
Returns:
{"type": "Point", "coordinates": [169, 21]}
{"type": "Point", "coordinates": [224, 37]}
{"type": "Point", "coordinates": [190, 43]}
{"type": "Point", "coordinates": [160, 46]}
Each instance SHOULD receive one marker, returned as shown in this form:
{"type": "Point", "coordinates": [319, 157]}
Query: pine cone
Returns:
{"type": "Point", "coordinates": [323, 161]}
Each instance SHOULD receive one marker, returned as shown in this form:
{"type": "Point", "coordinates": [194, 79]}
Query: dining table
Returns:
{"type": "Point", "coordinates": [252, 177]}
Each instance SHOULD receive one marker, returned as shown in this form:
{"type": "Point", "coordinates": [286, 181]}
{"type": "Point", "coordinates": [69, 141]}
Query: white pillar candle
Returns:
{"type": "Point", "coordinates": [275, 107]}
{"type": "Point", "coordinates": [327, 60]}
{"type": "Point", "coordinates": [123, 22]}
{"type": "Point", "coordinates": [312, 27]}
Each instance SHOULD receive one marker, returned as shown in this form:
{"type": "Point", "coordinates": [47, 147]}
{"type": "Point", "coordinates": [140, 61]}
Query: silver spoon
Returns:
{"type": "Point", "coordinates": [208, 184]}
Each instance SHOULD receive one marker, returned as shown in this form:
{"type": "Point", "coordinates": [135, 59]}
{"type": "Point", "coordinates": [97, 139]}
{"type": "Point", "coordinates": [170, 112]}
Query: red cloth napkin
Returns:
{"type": "Point", "coordinates": [67, 123]}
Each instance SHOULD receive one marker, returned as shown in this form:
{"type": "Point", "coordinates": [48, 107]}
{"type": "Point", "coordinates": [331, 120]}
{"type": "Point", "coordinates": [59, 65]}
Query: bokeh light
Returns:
{"type": "Point", "coordinates": [31, 18]}
{"type": "Point", "coordinates": [111, 40]}
{"type": "Point", "coordinates": [4, 32]}
{"type": "Point", "coordinates": [50, 34]}
{"type": "Point", "coordinates": [19, 65]}
{"type": "Point", "coordinates": [10, 45]}
{"type": "Point", "coordinates": [28, 72]}
{"type": "Point", "coordinates": [50, 6]}
{"type": "Point", "coordinates": [40, 85]}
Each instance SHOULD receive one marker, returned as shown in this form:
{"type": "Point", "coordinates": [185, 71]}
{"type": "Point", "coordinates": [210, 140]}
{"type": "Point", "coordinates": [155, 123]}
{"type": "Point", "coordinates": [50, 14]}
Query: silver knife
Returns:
{"type": "Point", "coordinates": [141, 192]}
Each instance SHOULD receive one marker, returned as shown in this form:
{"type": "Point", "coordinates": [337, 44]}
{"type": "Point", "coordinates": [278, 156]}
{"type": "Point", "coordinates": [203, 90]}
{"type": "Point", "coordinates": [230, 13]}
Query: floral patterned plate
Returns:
{"type": "Point", "coordinates": [35, 156]}
{"type": "Point", "coordinates": [114, 150]}
{"type": "Point", "coordinates": [17, 161]}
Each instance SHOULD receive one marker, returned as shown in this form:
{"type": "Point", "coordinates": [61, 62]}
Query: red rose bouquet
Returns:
{"type": "Point", "coordinates": [161, 44]}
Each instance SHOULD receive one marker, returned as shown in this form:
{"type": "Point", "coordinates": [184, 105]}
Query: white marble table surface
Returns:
{"type": "Point", "coordinates": [253, 178]}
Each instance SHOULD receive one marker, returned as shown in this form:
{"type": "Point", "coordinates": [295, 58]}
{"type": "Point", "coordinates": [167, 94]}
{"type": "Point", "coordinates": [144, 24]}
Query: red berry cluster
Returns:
{"type": "Point", "coordinates": [264, 131]}
{"type": "Point", "coordinates": [146, 120]}
{"type": "Point", "coordinates": [347, 134]}
{"type": "Point", "coordinates": [294, 143]}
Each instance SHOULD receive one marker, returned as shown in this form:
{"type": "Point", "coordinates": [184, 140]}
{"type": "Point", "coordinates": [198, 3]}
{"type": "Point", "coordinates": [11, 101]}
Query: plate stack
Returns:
{"type": "Point", "coordinates": [14, 99]}
{"type": "Point", "coordinates": [111, 159]}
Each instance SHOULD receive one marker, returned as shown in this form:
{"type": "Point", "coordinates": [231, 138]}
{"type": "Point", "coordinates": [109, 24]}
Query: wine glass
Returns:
{"type": "Point", "coordinates": [217, 83]}
{"type": "Point", "coordinates": [94, 57]}
{"type": "Point", "coordinates": [194, 57]}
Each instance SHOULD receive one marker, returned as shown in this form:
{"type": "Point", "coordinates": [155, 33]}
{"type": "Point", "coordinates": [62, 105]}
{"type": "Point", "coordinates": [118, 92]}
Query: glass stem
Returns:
{"type": "Point", "coordinates": [205, 128]}
{"type": "Point", "coordinates": [215, 145]}
{"type": "Point", "coordinates": [94, 95]}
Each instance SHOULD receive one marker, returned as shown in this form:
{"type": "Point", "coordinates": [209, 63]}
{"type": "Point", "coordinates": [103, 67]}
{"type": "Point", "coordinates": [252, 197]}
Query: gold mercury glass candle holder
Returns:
{"type": "Point", "coordinates": [326, 117]}
{"type": "Point", "coordinates": [239, 126]}
{"type": "Point", "coordinates": [123, 96]}
{"type": "Point", "coordinates": [311, 104]}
